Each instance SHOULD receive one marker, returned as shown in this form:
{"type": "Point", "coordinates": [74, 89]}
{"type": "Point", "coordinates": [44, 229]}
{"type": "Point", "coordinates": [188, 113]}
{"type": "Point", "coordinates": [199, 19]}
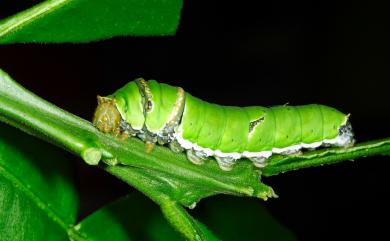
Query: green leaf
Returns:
{"type": "Point", "coordinates": [37, 197]}
{"type": "Point", "coordinates": [56, 21]}
{"type": "Point", "coordinates": [133, 217]}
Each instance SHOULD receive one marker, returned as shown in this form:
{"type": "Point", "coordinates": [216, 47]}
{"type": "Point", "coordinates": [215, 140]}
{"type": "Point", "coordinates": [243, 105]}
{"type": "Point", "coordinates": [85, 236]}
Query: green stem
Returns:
{"type": "Point", "coordinates": [38, 117]}
{"type": "Point", "coordinates": [182, 221]}
{"type": "Point", "coordinates": [280, 164]}
{"type": "Point", "coordinates": [173, 212]}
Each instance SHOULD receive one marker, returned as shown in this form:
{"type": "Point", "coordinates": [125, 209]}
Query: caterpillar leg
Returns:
{"type": "Point", "coordinates": [225, 163]}
{"type": "Point", "coordinates": [259, 161]}
{"type": "Point", "coordinates": [126, 128]}
{"type": "Point", "coordinates": [175, 146]}
{"type": "Point", "coordinates": [116, 132]}
{"type": "Point", "coordinates": [149, 147]}
{"type": "Point", "coordinates": [124, 136]}
{"type": "Point", "coordinates": [194, 157]}
{"type": "Point", "coordinates": [150, 139]}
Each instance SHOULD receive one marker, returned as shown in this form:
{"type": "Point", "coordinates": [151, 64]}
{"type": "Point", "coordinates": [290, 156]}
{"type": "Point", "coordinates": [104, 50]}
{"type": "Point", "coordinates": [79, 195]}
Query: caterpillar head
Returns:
{"type": "Point", "coordinates": [107, 117]}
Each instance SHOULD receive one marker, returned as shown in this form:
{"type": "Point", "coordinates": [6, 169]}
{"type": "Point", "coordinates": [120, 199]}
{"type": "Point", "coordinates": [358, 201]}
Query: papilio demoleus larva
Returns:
{"type": "Point", "coordinates": [163, 114]}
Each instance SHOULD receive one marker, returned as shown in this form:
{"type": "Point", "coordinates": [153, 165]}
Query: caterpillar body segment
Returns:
{"type": "Point", "coordinates": [161, 113]}
{"type": "Point", "coordinates": [129, 98]}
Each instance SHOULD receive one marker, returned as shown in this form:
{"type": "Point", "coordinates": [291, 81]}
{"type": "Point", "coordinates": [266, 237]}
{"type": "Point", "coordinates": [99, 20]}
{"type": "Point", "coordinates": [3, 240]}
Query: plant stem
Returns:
{"type": "Point", "coordinates": [281, 164]}
{"type": "Point", "coordinates": [173, 212]}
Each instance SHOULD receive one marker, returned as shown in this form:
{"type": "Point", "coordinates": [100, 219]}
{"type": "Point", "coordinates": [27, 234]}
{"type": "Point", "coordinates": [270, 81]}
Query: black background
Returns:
{"type": "Point", "coordinates": [246, 53]}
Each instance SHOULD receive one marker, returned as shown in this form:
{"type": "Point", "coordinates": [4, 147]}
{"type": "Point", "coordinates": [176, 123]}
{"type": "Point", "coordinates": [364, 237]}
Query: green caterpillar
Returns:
{"type": "Point", "coordinates": [157, 112]}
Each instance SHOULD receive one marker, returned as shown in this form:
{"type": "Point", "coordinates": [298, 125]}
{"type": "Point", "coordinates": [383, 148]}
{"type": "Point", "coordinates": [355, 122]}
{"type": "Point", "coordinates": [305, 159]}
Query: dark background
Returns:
{"type": "Point", "coordinates": [246, 53]}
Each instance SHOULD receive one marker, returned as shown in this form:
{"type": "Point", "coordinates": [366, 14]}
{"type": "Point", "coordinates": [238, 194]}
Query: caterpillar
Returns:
{"type": "Point", "coordinates": [164, 114]}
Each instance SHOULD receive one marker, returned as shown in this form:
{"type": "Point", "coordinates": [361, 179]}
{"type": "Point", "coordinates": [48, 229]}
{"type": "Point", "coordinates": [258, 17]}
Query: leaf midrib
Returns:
{"type": "Point", "coordinates": [27, 16]}
{"type": "Point", "coordinates": [51, 213]}
{"type": "Point", "coordinates": [33, 197]}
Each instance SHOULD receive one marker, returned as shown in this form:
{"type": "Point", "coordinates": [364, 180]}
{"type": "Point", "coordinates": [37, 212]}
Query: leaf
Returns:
{"type": "Point", "coordinates": [57, 21]}
{"type": "Point", "coordinates": [37, 197]}
{"type": "Point", "coordinates": [131, 218]}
